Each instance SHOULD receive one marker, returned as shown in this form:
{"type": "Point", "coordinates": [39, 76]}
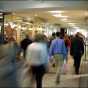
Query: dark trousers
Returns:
{"type": "Point", "coordinates": [38, 73]}
{"type": "Point", "coordinates": [77, 60]}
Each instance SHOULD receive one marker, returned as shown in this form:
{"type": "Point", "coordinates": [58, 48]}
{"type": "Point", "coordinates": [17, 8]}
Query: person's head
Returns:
{"type": "Point", "coordinates": [53, 34]}
{"type": "Point", "coordinates": [63, 31]}
{"type": "Point", "coordinates": [77, 34]}
{"type": "Point", "coordinates": [80, 35]}
{"type": "Point", "coordinates": [57, 34]}
{"type": "Point", "coordinates": [40, 38]}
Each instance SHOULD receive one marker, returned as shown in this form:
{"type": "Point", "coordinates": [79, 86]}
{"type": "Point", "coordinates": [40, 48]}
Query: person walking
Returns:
{"type": "Point", "coordinates": [77, 51]}
{"type": "Point", "coordinates": [68, 45]}
{"type": "Point", "coordinates": [24, 43]}
{"type": "Point", "coordinates": [58, 51]}
{"type": "Point", "coordinates": [8, 69]}
{"type": "Point", "coordinates": [37, 58]}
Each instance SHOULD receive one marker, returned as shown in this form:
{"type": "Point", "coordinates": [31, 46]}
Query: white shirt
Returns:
{"type": "Point", "coordinates": [37, 54]}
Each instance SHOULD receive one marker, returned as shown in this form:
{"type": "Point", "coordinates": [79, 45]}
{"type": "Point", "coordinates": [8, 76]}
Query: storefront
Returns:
{"type": "Point", "coordinates": [19, 26]}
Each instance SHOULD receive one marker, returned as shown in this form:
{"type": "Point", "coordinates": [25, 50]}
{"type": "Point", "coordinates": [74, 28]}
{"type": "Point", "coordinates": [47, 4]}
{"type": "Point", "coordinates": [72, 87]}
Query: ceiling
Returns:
{"type": "Point", "coordinates": [77, 19]}
{"type": "Point", "coordinates": [73, 13]}
{"type": "Point", "coordinates": [14, 5]}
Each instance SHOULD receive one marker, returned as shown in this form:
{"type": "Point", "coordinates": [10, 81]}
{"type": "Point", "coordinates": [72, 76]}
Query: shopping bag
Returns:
{"type": "Point", "coordinates": [64, 68]}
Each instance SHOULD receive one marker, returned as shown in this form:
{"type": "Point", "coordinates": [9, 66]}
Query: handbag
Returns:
{"type": "Point", "coordinates": [64, 67]}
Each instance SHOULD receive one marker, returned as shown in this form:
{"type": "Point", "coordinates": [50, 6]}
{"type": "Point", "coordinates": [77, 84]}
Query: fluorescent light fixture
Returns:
{"type": "Point", "coordinates": [72, 24]}
{"type": "Point", "coordinates": [59, 15]}
{"type": "Point", "coordinates": [64, 19]}
{"type": "Point", "coordinates": [76, 28]}
{"type": "Point", "coordinates": [30, 29]}
{"type": "Point", "coordinates": [56, 11]}
{"type": "Point", "coordinates": [23, 28]}
{"type": "Point", "coordinates": [19, 27]}
{"type": "Point", "coordinates": [39, 29]}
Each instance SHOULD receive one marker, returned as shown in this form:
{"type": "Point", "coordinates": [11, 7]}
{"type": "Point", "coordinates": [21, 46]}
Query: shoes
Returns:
{"type": "Point", "coordinates": [54, 65]}
{"type": "Point", "coordinates": [77, 73]}
{"type": "Point", "coordinates": [57, 82]}
{"type": "Point", "coordinates": [74, 65]}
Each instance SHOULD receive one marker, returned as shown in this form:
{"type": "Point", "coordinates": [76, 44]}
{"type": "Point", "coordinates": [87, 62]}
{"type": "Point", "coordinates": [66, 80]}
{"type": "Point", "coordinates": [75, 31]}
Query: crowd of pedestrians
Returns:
{"type": "Point", "coordinates": [41, 50]}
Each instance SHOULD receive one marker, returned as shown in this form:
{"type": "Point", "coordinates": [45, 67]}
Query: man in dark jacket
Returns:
{"type": "Point", "coordinates": [77, 50]}
{"type": "Point", "coordinates": [24, 43]}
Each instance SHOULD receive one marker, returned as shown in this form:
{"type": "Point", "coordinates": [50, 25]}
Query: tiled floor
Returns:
{"type": "Point", "coordinates": [68, 80]}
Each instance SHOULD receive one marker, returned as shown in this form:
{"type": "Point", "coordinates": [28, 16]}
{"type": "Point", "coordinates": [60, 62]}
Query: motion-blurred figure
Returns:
{"type": "Point", "coordinates": [8, 75]}
{"type": "Point", "coordinates": [77, 51]}
{"type": "Point", "coordinates": [24, 43]}
{"type": "Point", "coordinates": [52, 38]}
{"type": "Point", "coordinates": [58, 51]}
{"type": "Point", "coordinates": [37, 58]}
{"type": "Point", "coordinates": [67, 44]}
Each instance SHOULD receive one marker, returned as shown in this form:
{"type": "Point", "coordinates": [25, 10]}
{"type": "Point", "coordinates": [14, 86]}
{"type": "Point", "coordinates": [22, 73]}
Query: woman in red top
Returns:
{"type": "Point", "coordinates": [67, 44]}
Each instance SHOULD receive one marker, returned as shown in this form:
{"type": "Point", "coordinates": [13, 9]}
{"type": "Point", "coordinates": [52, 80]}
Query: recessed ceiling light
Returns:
{"type": "Point", "coordinates": [56, 11]}
{"type": "Point", "coordinates": [64, 19]}
{"type": "Point", "coordinates": [59, 15]}
{"type": "Point", "coordinates": [71, 24]}
{"type": "Point", "coordinates": [76, 27]}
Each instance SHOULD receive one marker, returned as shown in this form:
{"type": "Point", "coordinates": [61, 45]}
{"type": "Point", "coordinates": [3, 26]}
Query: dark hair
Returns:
{"type": "Point", "coordinates": [58, 34]}
{"type": "Point", "coordinates": [53, 34]}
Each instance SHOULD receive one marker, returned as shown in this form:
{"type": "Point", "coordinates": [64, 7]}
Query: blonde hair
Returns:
{"type": "Point", "coordinates": [40, 38]}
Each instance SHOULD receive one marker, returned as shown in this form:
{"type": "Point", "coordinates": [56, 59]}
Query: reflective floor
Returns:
{"type": "Point", "coordinates": [68, 80]}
